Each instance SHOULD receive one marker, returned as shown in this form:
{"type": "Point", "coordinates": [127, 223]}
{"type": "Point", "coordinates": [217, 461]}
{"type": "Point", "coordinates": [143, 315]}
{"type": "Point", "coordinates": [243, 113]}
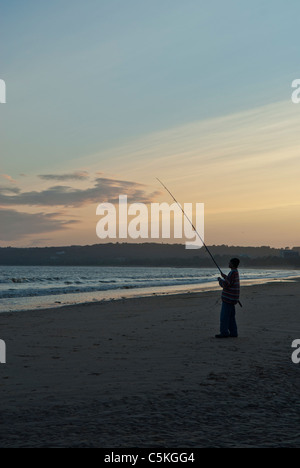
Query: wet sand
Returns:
{"type": "Point", "coordinates": [147, 372]}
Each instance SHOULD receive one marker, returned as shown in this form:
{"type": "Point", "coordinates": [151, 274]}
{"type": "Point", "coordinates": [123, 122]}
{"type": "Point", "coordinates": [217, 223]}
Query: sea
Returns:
{"type": "Point", "coordinates": [38, 287]}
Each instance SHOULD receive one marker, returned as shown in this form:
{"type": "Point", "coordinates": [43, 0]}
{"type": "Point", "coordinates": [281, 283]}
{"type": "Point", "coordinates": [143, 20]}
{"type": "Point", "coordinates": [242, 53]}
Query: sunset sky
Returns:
{"type": "Point", "coordinates": [103, 96]}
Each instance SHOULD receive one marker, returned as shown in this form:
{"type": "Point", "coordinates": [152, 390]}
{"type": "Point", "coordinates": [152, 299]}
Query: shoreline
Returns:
{"type": "Point", "coordinates": [59, 301]}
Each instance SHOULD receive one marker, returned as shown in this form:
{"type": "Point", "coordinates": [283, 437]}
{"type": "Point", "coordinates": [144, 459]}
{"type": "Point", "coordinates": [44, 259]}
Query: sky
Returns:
{"type": "Point", "coordinates": [103, 96]}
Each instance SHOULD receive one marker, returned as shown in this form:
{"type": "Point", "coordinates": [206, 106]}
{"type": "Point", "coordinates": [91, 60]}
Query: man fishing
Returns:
{"type": "Point", "coordinates": [230, 298]}
{"type": "Point", "coordinates": [230, 285]}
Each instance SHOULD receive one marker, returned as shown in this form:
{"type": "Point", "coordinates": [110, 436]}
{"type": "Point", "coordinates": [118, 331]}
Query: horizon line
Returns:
{"type": "Point", "coordinates": [151, 243]}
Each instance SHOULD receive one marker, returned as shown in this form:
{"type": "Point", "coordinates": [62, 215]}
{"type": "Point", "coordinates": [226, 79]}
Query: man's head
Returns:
{"type": "Point", "coordinates": [234, 263]}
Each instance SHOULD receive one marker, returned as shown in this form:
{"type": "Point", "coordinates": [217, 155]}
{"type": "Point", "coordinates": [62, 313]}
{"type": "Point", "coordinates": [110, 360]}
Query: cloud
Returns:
{"type": "Point", "coordinates": [9, 178]}
{"type": "Point", "coordinates": [15, 225]}
{"type": "Point", "coordinates": [78, 175]}
{"type": "Point", "coordinates": [104, 190]}
{"type": "Point", "coordinates": [4, 190]}
{"type": "Point", "coordinates": [245, 159]}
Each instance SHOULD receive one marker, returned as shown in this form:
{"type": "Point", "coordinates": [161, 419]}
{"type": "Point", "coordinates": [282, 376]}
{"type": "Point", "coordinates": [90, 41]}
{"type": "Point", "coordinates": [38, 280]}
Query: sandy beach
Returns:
{"type": "Point", "coordinates": [148, 372]}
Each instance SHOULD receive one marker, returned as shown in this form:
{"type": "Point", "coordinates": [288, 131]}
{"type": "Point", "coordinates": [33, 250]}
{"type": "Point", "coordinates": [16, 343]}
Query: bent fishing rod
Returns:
{"type": "Point", "coordinates": [191, 223]}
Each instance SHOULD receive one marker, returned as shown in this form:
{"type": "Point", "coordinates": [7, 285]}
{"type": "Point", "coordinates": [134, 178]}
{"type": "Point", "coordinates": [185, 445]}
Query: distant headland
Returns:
{"type": "Point", "coordinates": [149, 254]}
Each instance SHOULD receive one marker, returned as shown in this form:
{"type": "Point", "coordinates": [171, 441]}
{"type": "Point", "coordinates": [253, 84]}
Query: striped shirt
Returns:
{"type": "Point", "coordinates": [231, 287]}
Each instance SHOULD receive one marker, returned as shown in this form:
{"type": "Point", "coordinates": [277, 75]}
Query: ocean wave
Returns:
{"type": "Point", "coordinates": [38, 280]}
{"type": "Point", "coordinates": [41, 281]}
{"type": "Point", "coordinates": [20, 280]}
{"type": "Point", "coordinates": [71, 289]}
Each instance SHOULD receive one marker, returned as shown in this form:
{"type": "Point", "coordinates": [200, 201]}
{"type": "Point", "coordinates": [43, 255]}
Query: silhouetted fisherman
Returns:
{"type": "Point", "coordinates": [230, 298]}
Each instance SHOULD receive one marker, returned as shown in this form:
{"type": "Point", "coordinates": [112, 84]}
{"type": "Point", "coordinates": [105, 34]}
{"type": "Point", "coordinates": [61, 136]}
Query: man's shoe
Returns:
{"type": "Point", "coordinates": [233, 336]}
{"type": "Point", "coordinates": [222, 336]}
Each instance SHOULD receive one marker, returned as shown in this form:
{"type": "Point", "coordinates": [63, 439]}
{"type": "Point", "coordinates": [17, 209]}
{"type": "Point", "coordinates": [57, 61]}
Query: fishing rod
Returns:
{"type": "Point", "coordinates": [191, 223]}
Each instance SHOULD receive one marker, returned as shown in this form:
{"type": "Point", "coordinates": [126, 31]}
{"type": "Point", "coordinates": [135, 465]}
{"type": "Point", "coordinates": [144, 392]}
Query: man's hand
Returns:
{"type": "Point", "coordinates": [224, 276]}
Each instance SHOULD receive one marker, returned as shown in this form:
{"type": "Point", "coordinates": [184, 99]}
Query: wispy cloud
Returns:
{"type": "Point", "coordinates": [103, 190]}
{"type": "Point", "coordinates": [77, 175]}
{"type": "Point", "coordinates": [246, 159]}
{"type": "Point", "coordinates": [6, 190]}
{"type": "Point", "coordinates": [8, 178]}
{"type": "Point", "coordinates": [15, 225]}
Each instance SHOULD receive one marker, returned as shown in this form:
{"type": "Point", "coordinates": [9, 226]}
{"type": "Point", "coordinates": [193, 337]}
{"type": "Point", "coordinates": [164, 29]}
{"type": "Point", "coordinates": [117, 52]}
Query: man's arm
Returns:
{"type": "Point", "coordinates": [228, 280]}
{"type": "Point", "coordinates": [221, 282]}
